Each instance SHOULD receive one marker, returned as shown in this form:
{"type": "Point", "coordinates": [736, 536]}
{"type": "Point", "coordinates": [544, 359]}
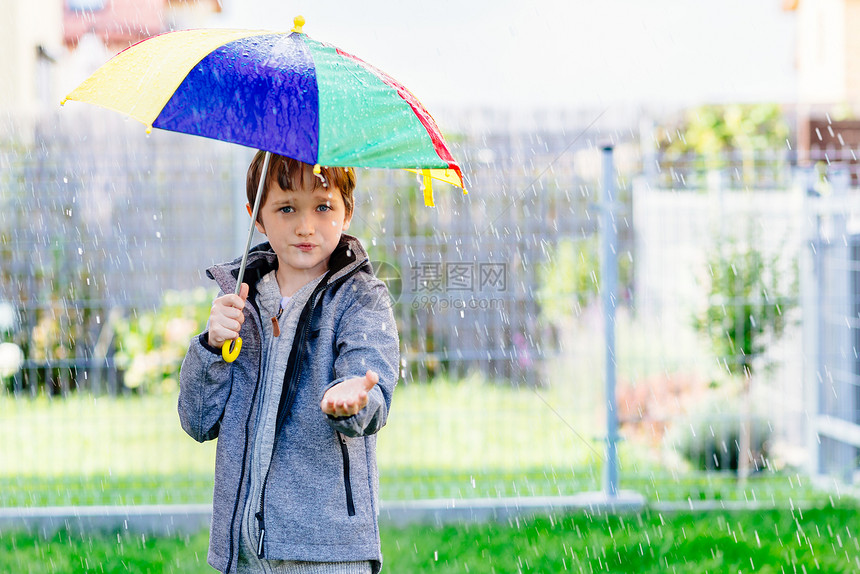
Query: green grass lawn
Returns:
{"type": "Point", "coordinates": [775, 541]}
{"type": "Point", "coordinates": [462, 440]}
{"type": "Point", "coordinates": [439, 442]}
{"type": "Point", "coordinates": [446, 440]}
{"type": "Point", "coordinates": [459, 426]}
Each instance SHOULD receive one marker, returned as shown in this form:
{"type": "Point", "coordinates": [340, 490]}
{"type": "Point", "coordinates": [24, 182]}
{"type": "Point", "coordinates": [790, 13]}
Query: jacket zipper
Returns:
{"type": "Point", "coordinates": [261, 523]}
{"type": "Point", "coordinates": [244, 457]}
{"type": "Point", "coordinates": [259, 515]}
{"type": "Point", "coordinates": [350, 504]}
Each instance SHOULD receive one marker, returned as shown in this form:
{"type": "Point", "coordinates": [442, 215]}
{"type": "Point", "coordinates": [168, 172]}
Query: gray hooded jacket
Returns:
{"type": "Point", "coordinates": [319, 500]}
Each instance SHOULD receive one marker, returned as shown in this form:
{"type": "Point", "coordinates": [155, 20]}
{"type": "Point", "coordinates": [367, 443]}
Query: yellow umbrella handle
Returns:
{"type": "Point", "coordinates": [228, 354]}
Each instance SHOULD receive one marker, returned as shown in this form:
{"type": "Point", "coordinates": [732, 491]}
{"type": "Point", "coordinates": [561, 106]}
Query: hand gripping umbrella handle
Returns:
{"type": "Point", "coordinates": [229, 355]}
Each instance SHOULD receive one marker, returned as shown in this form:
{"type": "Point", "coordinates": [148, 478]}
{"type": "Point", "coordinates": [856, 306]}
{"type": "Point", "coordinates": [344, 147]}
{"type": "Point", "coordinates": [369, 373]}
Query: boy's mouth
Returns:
{"type": "Point", "coordinates": [304, 246]}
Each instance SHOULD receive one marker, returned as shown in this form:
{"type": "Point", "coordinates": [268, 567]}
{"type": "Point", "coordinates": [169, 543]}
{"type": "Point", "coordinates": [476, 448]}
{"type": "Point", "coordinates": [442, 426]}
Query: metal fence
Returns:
{"type": "Point", "coordinates": [831, 266]}
{"type": "Point", "coordinates": [496, 300]}
{"type": "Point", "coordinates": [95, 224]}
{"type": "Point", "coordinates": [102, 224]}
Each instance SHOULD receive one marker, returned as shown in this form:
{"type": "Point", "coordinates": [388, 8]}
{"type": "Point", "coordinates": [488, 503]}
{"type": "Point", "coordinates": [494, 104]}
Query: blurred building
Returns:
{"type": "Point", "coordinates": [828, 74]}
{"type": "Point", "coordinates": [828, 77]}
{"type": "Point", "coordinates": [121, 23]}
{"type": "Point", "coordinates": [31, 45]}
{"type": "Point", "coordinates": [49, 46]}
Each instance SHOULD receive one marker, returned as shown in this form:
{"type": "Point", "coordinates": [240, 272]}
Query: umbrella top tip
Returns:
{"type": "Point", "coordinates": [298, 22]}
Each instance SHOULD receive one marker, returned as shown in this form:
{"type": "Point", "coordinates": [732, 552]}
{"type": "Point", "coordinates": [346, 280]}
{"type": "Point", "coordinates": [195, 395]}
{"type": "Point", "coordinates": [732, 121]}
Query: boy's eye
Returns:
{"type": "Point", "coordinates": [324, 207]}
{"type": "Point", "coordinates": [287, 209]}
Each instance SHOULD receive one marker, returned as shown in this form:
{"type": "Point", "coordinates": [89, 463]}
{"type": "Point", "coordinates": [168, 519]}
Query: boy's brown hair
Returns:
{"type": "Point", "coordinates": [285, 169]}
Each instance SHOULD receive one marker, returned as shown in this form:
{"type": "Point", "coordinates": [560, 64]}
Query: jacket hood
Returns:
{"type": "Point", "coordinates": [262, 259]}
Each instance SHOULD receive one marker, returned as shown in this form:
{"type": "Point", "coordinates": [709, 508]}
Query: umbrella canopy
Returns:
{"type": "Point", "coordinates": [280, 92]}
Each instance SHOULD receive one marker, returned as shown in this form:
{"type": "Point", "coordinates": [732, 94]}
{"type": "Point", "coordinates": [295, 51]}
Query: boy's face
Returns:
{"type": "Point", "coordinates": [303, 225]}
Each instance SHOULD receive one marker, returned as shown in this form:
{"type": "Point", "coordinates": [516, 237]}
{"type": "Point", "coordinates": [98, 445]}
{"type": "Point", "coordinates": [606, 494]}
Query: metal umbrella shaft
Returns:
{"type": "Point", "coordinates": [228, 352]}
{"type": "Point", "coordinates": [254, 213]}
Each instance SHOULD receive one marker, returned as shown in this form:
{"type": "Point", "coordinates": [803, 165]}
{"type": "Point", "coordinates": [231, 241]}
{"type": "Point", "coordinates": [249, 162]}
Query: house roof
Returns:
{"type": "Point", "coordinates": [118, 23]}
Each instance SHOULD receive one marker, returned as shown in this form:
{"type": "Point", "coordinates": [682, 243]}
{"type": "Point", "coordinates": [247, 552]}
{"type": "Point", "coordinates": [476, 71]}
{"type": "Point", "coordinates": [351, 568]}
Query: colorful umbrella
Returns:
{"type": "Point", "coordinates": [283, 93]}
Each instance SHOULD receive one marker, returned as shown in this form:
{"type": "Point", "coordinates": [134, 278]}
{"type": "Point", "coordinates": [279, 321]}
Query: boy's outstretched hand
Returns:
{"type": "Point", "coordinates": [226, 317]}
{"type": "Point", "coordinates": [350, 396]}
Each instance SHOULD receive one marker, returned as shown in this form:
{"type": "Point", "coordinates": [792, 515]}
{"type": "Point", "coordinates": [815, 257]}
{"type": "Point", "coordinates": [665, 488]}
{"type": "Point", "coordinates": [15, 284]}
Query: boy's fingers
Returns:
{"type": "Point", "coordinates": [328, 405]}
{"type": "Point", "coordinates": [236, 301]}
{"type": "Point", "coordinates": [228, 313]}
{"type": "Point", "coordinates": [370, 380]}
{"type": "Point", "coordinates": [235, 314]}
{"type": "Point", "coordinates": [218, 335]}
{"type": "Point", "coordinates": [243, 291]}
{"type": "Point", "coordinates": [225, 322]}
{"type": "Point", "coordinates": [334, 403]}
{"type": "Point", "coordinates": [224, 304]}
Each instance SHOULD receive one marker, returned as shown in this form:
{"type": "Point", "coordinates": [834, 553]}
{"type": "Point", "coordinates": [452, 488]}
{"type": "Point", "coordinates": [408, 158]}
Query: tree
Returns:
{"type": "Point", "coordinates": [749, 294]}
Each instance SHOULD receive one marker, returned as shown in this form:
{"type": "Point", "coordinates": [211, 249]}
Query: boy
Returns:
{"type": "Point", "coordinates": [295, 415]}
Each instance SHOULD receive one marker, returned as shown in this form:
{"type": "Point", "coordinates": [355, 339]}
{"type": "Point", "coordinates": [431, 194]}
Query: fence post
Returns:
{"type": "Point", "coordinates": [811, 289]}
{"type": "Point", "coordinates": [840, 457]}
{"type": "Point", "coordinates": [609, 288]}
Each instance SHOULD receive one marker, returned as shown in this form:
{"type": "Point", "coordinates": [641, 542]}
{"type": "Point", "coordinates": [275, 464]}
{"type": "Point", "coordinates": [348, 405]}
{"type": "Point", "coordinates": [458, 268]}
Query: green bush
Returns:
{"type": "Point", "coordinates": [712, 441]}
{"type": "Point", "coordinates": [712, 133]}
{"type": "Point", "coordinates": [151, 345]}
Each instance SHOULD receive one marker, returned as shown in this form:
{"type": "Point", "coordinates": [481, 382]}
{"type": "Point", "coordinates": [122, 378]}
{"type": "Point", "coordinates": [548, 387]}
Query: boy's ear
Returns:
{"type": "Point", "coordinates": [257, 224]}
{"type": "Point", "coordinates": [346, 222]}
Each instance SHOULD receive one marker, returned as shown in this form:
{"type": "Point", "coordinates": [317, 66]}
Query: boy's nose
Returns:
{"type": "Point", "coordinates": [305, 226]}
